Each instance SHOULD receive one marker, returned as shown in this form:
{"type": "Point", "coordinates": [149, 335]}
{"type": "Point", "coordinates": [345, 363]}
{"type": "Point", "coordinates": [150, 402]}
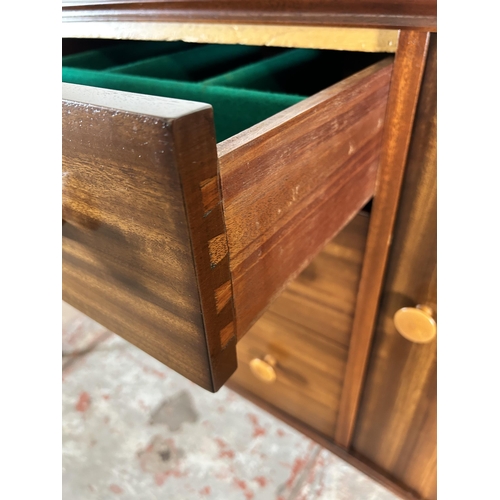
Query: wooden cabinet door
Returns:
{"type": "Point", "coordinates": [396, 425]}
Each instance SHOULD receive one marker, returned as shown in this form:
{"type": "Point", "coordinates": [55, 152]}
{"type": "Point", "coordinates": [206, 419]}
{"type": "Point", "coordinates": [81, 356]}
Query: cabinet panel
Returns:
{"type": "Point", "coordinates": [306, 332]}
{"type": "Point", "coordinates": [396, 426]}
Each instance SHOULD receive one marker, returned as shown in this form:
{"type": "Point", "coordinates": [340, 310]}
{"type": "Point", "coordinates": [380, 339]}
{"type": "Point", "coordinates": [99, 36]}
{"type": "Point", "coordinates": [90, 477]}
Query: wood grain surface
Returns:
{"type": "Point", "coordinates": [290, 184]}
{"type": "Point", "coordinates": [139, 227]}
{"type": "Point", "coordinates": [405, 86]}
{"type": "Point", "coordinates": [396, 14]}
{"type": "Point", "coordinates": [396, 427]}
{"type": "Point", "coordinates": [295, 180]}
{"type": "Point", "coordinates": [323, 296]}
{"type": "Point", "coordinates": [307, 330]}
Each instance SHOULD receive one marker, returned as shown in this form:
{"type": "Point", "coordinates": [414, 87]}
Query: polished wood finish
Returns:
{"type": "Point", "coordinates": [323, 296]}
{"type": "Point", "coordinates": [295, 180]}
{"type": "Point", "coordinates": [307, 37]}
{"type": "Point", "coordinates": [395, 14]}
{"type": "Point", "coordinates": [309, 356]}
{"type": "Point", "coordinates": [405, 85]}
{"type": "Point", "coordinates": [289, 184]}
{"type": "Point", "coordinates": [396, 427]}
{"type": "Point", "coordinates": [143, 243]}
{"type": "Point", "coordinates": [392, 435]}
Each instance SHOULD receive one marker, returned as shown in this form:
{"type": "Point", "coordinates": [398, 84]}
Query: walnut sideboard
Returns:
{"type": "Point", "coordinates": [249, 195]}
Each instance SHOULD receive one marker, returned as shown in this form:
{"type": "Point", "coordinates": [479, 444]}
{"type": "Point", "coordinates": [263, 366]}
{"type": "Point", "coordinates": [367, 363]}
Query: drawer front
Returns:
{"type": "Point", "coordinates": [306, 333]}
{"type": "Point", "coordinates": [140, 253]}
{"type": "Point", "coordinates": [179, 244]}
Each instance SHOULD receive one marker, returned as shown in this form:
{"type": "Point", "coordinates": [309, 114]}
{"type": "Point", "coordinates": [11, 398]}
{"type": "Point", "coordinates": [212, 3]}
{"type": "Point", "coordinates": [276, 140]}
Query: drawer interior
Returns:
{"type": "Point", "coordinates": [244, 84]}
{"type": "Point", "coordinates": [179, 243]}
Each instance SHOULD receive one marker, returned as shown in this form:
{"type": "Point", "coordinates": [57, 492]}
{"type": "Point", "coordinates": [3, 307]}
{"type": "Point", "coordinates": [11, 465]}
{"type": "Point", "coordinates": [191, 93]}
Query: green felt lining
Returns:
{"type": "Point", "coordinates": [298, 71]}
{"type": "Point", "coordinates": [234, 109]}
{"type": "Point", "coordinates": [121, 54]}
{"type": "Point", "coordinates": [193, 65]}
{"type": "Point", "coordinates": [244, 84]}
{"type": "Point", "coordinates": [264, 75]}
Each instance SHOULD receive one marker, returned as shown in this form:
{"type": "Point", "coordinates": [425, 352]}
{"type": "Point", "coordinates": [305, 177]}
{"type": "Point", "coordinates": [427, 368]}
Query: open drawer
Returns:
{"type": "Point", "coordinates": [179, 243]}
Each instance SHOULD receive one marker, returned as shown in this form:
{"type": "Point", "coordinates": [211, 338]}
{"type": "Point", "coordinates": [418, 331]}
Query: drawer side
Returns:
{"type": "Point", "coordinates": [294, 181]}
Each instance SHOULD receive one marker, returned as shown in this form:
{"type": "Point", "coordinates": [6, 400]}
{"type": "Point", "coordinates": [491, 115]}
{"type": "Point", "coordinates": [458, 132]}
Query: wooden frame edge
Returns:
{"type": "Point", "coordinates": [406, 80]}
{"type": "Point", "coordinates": [196, 154]}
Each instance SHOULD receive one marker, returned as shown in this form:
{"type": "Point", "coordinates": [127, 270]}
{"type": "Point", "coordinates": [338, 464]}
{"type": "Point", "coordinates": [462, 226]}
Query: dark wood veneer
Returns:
{"type": "Point", "coordinates": [94, 258]}
{"type": "Point", "coordinates": [292, 182]}
{"type": "Point", "coordinates": [405, 85]}
{"type": "Point", "coordinates": [397, 421]}
{"type": "Point", "coordinates": [150, 251]}
{"type": "Point", "coordinates": [310, 356]}
{"type": "Point", "coordinates": [137, 241]}
{"type": "Point", "coordinates": [396, 14]}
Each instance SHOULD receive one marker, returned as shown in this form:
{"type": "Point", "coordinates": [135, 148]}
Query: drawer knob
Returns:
{"type": "Point", "coordinates": [416, 323]}
{"type": "Point", "coordinates": [263, 369]}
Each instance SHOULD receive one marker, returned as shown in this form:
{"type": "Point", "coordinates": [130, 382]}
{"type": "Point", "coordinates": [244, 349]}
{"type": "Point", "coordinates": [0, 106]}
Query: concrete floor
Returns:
{"type": "Point", "coordinates": [134, 429]}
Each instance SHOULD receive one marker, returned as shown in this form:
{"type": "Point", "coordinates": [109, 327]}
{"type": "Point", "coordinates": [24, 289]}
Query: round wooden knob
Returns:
{"type": "Point", "coordinates": [263, 369]}
{"type": "Point", "coordinates": [416, 323]}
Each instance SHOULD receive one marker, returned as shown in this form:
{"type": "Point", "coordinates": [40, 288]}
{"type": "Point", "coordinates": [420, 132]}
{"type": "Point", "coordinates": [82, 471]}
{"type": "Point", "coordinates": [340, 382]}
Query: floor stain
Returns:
{"type": "Point", "coordinates": [223, 447]}
{"type": "Point", "coordinates": [83, 402]}
{"type": "Point", "coordinates": [175, 411]}
{"type": "Point", "coordinates": [242, 485]}
{"type": "Point", "coordinates": [116, 489]}
{"type": "Point", "coordinates": [258, 430]}
{"type": "Point", "coordinates": [162, 459]}
{"type": "Point", "coordinates": [205, 491]}
{"type": "Point", "coordinates": [224, 452]}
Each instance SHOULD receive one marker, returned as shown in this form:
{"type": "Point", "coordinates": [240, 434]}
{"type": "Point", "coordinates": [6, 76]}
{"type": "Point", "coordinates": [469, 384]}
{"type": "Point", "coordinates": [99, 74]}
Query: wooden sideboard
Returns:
{"type": "Point", "coordinates": [310, 327]}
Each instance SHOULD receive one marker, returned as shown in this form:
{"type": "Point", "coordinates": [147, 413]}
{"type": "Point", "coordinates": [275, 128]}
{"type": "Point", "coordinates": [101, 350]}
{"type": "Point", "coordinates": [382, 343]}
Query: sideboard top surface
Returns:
{"type": "Point", "coordinates": [390, 14]}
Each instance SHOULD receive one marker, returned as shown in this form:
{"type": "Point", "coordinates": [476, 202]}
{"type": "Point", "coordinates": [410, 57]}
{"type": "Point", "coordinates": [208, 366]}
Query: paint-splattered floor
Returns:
{"type": "Point", "coordinates": [134, 429]}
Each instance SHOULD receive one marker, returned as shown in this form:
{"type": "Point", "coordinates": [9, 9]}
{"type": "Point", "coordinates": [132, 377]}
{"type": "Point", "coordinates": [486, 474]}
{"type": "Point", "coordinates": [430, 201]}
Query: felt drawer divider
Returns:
{"type": "Point", "coordinates": [235, 110]}
{"type": "Point", "coordinates": [120, 54]}
{"type": "Point", "coordinates": [260, 74]}
{"type": "Point", "coordinates": [194, 64]}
